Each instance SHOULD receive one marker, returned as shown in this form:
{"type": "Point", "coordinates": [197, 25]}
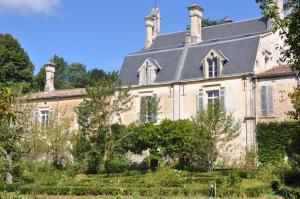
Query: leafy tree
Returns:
{"type": "Point", "coordinates": [51, 139]}
{"type": "Point", "coordinates": [15, 65]}
{"type": "Point", "coordinates": [14, 124]}
{"type": "Point", "coordinates": [96, 115]}
{"type": "Point", "coordinates": [288, 27]}
{"type": "Point", "coordinates": [211, 22]}
{"type": "Point", "coordinates": [77, 75]}
{"type": "Point", "coordinates": [214, 129]}
{"type": "Point", "coordinates": [295, 99]}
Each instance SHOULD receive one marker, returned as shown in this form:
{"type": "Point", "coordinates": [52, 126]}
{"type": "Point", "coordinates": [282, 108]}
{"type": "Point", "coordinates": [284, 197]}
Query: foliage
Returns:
{"type": "Point", "coordinates": [165, 177]}
{"type": "Point", "coordinates": [274, 139]}
{"type": "Point", "coordinates": [71, 75]}
{"type": "Point", "coordinates": [96, 116]}
{"type": "Point", "coordinates": [249, 161]}
{"type": "Point", "coordinates": [116, 164]}
{"type": "Point", "coordinates": [295, 100]}
{"type": "Point", "coordinates": [14, 125]}
{"type": "Point", "coordinates": [15, 65]}
{"type": "Point", "coordinates": [210, 22]}
{"type": "Point", "coordinates": [214, 129]}
{"type": "Point", "coordinates": [288, 27]}
{"type": "Point", "coordinates": [51, 140]}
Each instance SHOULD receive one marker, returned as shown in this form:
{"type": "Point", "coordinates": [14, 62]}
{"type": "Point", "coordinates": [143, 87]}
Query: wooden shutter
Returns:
{"type": "Point", "coordinates": [155, 111]}
{"type": "Point", "coordinates": [143, 108]}
{"type": "Point", "coordinates": [219, 67]}
{"type": "Point", "coordinates": [263, 96]}
{"type": "Point", "coordinates": [270, 101]}
{"type": "Point", "coordinates": [36, 117]}
{"type": "Point", "coordinates": [200, 101]}
{"type": "Point", "coordinates": [222, 99]}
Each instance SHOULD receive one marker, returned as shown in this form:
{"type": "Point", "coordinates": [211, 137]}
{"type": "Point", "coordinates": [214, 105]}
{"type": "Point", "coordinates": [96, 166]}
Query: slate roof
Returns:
{"type": "Point", "coordinates": [238, 41]}
{"type": "Point", "coordinates": [76, 92]}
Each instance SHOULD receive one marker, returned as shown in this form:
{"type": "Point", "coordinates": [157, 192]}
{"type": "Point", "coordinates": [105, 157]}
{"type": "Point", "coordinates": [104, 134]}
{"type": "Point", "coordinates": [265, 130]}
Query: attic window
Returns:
{"type": "Point", "coordinates": [148, 71]}
{"type": "Point", "coordinates": [213, 67]}
{"type": "Point", "coordinates": [213, 63]}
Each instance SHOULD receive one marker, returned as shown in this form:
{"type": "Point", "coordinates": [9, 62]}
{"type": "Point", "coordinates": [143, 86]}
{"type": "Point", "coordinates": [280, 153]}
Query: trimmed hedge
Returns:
{"type": "Point", "coordinates": [273, 140]}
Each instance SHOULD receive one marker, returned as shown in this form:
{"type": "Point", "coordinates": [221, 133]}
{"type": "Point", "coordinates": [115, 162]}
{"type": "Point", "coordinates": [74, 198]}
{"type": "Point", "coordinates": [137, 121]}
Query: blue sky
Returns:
{"type": "Point", "coordinates": [99, 33]}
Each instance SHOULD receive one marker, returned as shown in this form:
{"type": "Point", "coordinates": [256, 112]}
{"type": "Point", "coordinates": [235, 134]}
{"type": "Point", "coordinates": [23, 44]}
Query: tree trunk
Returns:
{"type": "Point", "coordinates": [108, 145]}
{"type": "Point", "coordinates": [9, 174]}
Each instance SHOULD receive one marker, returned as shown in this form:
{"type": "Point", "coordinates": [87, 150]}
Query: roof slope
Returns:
{"type": "Point", "coordinates": [237, 41]}
{"type": "Point", "coordinates": [214, 32]}
{"type": "Point", "coordinates": [76, 92]}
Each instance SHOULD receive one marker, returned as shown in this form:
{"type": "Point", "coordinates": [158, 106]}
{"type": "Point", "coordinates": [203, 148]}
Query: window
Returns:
{"type": "Point", "coordinates": [213, 68]}
{"type": "Point", "coordinates": [213, 97]}
{"type": "Point", "coordinates": [45, 116]}
{"type": "Point", "coordinates": [267, 103]}
{"type": "Point", "coordinates": [148, 109]}
{"type": "Point", "coordinates": [148, 71]}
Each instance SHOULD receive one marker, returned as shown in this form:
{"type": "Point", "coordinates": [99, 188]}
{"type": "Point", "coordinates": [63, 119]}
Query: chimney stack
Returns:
{"type": "Point", "coordinates": [196, 13]}
{"type": "Point", "coordinates": [152, 26]}
{"type": "Point", "coordinates": [50, 70]}
{"type": "Point", "coordinates": [280, 6]}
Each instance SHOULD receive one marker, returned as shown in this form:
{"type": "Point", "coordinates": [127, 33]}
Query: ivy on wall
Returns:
{"type": "Point", "coordinates": [274, 139]}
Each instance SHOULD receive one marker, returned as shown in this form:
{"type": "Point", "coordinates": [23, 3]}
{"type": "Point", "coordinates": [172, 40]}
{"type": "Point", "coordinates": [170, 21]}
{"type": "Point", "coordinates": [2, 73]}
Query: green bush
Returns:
{"type": "Point", "coordinates": [273, 140]}
{"type": "Point", "coordinates": [116, 164]}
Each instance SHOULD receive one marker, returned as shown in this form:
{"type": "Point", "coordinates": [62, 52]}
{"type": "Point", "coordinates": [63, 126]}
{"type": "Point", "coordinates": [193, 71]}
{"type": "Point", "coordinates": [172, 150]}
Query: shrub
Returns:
{"type": "Point", "coordinates": [166, 177]}
{"type": "Point", "coordinates": [116, 164]}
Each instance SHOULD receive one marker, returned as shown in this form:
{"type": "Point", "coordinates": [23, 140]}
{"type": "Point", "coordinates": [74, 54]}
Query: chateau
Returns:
{"type": "Point", "coordinates": [235, 63]}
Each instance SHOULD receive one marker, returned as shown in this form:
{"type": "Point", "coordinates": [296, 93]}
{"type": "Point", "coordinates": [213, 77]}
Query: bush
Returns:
{"type": "Point", "coordinates": [116, 164]}
{"type": "Point", "coordinates": [166, 177]}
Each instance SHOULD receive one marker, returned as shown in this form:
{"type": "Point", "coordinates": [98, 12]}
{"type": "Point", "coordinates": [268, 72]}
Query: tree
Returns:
{"type": "Point", "coordinates": [14, 124]}
{"type": "Point", "coordinates": [96, 115]}
{"type": "Point", "coordinates": [210, 22]}
{"type": "Point", "coordinates": [288, 27]}
{"type": "Point", "coordinates": [77, 75]}
{"type": "Point", "coordinates": [214, 129]}
{"type": "Point", "coordinates": [51, 139]}
{"type": "Point", "coordinates": [295, 99]}
{"type": "Point", "coordinates": [15, 65]}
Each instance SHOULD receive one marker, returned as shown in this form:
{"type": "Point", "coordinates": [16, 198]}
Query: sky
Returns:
{"type": "Point", "coordinates": [99, 33]}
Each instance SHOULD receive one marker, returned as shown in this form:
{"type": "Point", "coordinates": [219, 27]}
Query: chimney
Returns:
{"type": "Point", "coordinates": [149, 31]}
{"type": "Point", "coordinates": [196, 13]}
{"type": "Point", "coordinates": [152, 26]}
{"type": "Point", "coordinates": [156, 15]}
{"type": "Point", "coordinates": [280, 6]}
{"type": "Point", "coordinates": [50, 70]}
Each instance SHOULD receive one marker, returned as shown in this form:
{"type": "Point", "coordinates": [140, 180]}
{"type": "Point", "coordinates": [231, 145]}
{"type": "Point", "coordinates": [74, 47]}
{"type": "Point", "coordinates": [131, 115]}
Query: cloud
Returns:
{"type": "Point", "coordinates": [28, 6]}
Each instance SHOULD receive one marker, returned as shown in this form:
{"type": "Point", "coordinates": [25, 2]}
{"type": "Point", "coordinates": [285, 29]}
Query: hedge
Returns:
{"type": "Point", "coordinates": [273, 140]}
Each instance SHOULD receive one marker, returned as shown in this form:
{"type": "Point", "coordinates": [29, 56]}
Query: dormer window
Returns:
{"type": "Point", "coordinates": [148, 71]}
{"type": "Point", "coordinates": [213, 67]}
{"type": "Point", "coordinates": [213, 63]}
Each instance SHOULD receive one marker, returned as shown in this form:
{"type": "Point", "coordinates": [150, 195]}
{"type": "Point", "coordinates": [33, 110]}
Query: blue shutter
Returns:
{"type": "Point", "coordinates": [263, 96]}
{"type": "Point", "coordinates": [143, 109]}
{"type": "Point", "coordinates": [270, 101]}
{"type": "Point", "coordinates": [222, 99]}
{"type": "Point", "coordinates": [155, 112]}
